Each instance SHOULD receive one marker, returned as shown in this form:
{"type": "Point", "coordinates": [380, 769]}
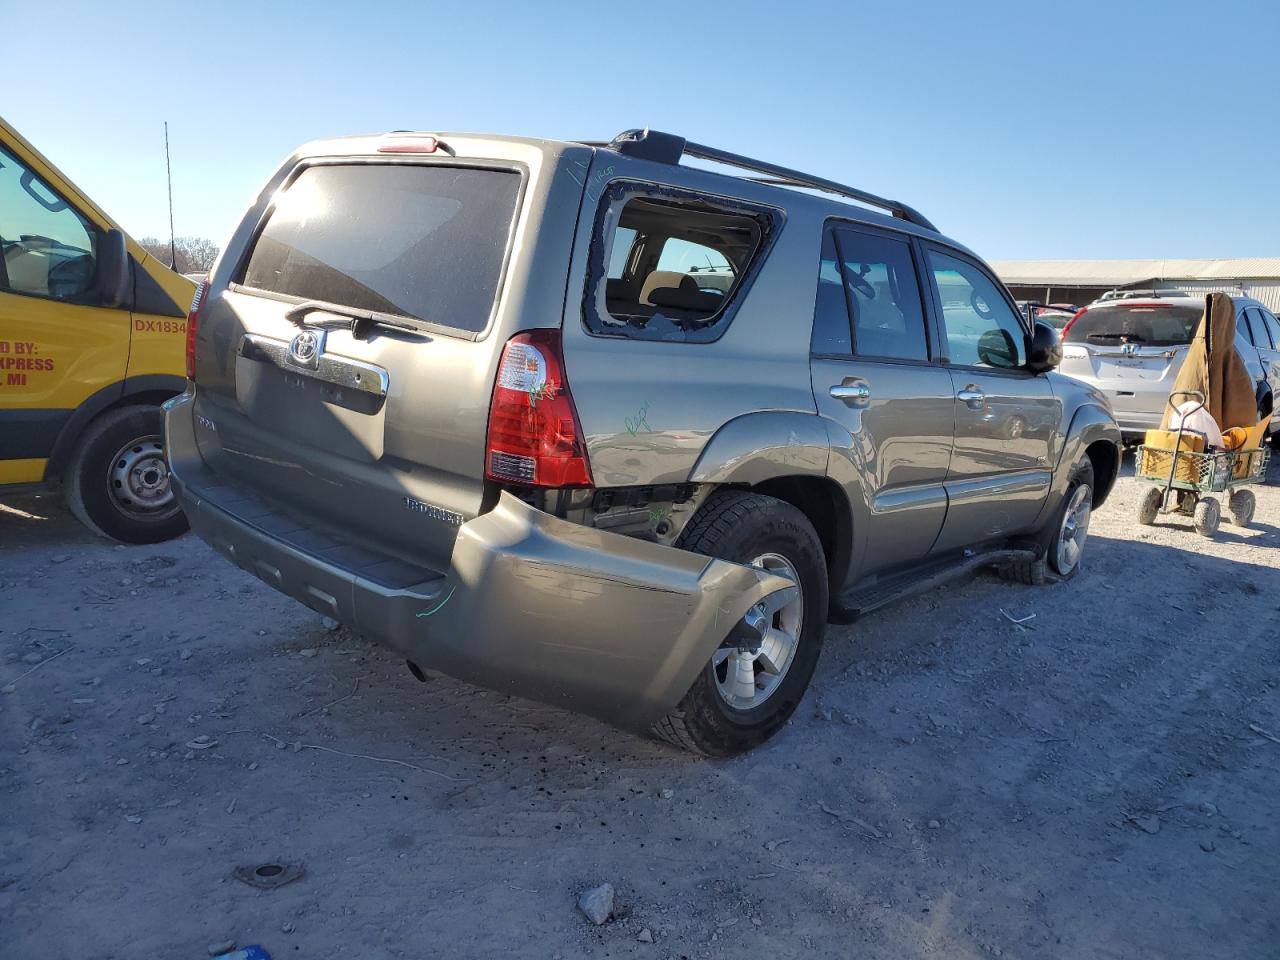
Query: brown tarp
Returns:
{"type": "Point", "coordinates": [1214, 368]}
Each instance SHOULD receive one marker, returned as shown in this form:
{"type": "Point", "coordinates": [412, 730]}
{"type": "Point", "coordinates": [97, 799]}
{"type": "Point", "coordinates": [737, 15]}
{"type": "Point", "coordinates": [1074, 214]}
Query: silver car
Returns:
{"type": "Point", "coordinates": [1131, 348]}
{"type": "Point", "coordinates": [583, 423]}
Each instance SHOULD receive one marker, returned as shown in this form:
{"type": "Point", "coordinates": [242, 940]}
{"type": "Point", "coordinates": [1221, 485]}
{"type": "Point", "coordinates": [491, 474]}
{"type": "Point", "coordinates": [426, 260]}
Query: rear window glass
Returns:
{"type": "Point", "coordinates": [1155, 324]}
{"type": "Point", "coordinates": [421, 241]}
{"type": "Point", "coordinates": [673, 265]}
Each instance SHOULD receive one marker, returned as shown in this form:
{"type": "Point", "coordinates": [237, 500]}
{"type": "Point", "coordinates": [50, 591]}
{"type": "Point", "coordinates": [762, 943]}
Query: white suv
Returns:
{"type": "Point", "coordinates": [1132, 348]}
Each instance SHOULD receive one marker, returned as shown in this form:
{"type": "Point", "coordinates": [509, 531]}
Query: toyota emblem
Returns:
{"type": "Point", "coordinates": [306, 347]}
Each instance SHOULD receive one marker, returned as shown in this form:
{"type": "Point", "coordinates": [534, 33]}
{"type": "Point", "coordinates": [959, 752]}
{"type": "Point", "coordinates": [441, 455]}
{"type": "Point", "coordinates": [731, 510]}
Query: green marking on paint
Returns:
{"type": "Point", "coordinates": [436, 608]}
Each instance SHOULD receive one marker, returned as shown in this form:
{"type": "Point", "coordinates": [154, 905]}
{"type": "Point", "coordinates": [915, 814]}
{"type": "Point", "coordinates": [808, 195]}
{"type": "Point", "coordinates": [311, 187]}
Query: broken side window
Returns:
{"type": "Point", "coordinates": [670, 264]}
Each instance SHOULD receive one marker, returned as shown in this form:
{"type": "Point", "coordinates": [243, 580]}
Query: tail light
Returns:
{"type": "Point", "coordinates": [193, 321]}
{"type": "Point", "coordinates": [1079, 313]}
{"type": "Point", "coordinates": [535, 438]}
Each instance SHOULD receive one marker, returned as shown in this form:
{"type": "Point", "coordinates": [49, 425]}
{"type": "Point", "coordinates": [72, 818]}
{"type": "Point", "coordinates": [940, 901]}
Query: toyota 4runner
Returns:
{"type": "Point", "coordinates": [581, 423]}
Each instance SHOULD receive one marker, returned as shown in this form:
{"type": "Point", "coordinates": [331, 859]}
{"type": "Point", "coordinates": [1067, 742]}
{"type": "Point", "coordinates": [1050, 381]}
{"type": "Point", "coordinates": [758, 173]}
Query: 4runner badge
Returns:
{"type": "Point", "coordinates": [306, 347]}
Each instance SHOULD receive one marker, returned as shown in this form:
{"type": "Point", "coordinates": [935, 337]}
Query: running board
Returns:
{"type": "Point", "coordinates": [854, 603]}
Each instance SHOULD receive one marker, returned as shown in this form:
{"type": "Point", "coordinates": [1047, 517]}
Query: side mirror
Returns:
{"type": "Point", "coordinates": [1045, 351]}
{"type": "Point", "coordinates": [111, 279]}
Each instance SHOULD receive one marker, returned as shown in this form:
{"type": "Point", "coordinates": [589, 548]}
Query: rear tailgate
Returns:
{"type": "Point", "coordinates": [346, 349]}
{"type": "Point", "coordinates": [1131, 349]}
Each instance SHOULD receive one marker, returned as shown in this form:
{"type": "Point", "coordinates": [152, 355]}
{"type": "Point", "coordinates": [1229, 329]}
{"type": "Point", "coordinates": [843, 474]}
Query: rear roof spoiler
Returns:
{"type": "Point", "coordinates": [669, 148]}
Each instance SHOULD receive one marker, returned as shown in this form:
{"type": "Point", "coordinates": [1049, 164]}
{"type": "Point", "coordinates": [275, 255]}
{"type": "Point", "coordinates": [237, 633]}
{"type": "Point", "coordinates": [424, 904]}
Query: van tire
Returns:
{"type": "Point", "coordinates": [738, 526]}
{"type": "Point", "coordinates": [89, 481]}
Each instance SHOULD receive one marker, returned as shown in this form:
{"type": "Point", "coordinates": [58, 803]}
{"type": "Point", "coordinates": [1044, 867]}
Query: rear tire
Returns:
{"type": "Point", "coordinates": [739, 526]}
{"type": "Point", "coordinates": [117, 484]}
{"type": "Point", "coordinates": [1207, 517]}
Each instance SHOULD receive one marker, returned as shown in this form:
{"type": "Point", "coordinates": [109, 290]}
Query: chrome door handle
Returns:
{"type": "Point", "coordinates": [972, 396]}
{"type": "Point", "coordinates": [851, 393]}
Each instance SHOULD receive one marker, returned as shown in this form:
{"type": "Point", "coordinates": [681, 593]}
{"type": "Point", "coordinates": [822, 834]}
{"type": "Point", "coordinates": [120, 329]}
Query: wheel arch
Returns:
{"type": "Point", "coordinates": [154, 388]}
{"type": "Point", "coordinates": [1105, 458]}
{"type": "Point", "coordinates": [825, 505]}
{"type": "Point", "coordinates": [785, 454]}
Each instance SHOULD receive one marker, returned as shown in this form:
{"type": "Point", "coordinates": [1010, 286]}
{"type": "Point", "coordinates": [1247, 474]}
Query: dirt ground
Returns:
{"type": "Point", "coordinates": [1101, 781]}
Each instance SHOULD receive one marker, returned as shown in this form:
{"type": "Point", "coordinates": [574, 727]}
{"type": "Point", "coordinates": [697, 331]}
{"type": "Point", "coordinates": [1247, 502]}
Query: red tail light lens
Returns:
{"type": "Point", "coordinates": [534, 435]}
{"type": "Point", "coordinates": [193, 321]}
{"type": "Point", "coordinates": [1079, 313]}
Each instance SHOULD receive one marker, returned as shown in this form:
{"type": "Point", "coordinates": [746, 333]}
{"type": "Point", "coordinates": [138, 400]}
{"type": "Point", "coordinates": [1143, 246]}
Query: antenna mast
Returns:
{"type": "Point", "coordinates": [173, 247]}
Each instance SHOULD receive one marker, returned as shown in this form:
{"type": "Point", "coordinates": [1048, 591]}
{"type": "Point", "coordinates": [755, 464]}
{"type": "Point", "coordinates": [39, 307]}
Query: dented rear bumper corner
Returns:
{"type": "Point", "coordinates": [532, 605]}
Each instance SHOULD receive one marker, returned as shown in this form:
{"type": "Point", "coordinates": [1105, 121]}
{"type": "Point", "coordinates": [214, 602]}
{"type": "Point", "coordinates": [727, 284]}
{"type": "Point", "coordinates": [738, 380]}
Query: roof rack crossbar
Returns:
{"type": "Point", "coordinates": [667, 148]}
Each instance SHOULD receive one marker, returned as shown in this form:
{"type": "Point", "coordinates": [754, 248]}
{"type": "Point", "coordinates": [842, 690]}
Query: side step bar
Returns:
{"type": "Point", "coordinates": [860, 600]}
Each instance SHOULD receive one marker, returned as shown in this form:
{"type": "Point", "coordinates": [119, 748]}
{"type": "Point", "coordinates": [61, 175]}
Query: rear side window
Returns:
{"type": "Point", "coordinates": [671, 265]}
{"type": "Point", "coordinates": [1156, 324]}
{"type": "Point", "coordinates": [884, 296]}
{"type": "Point", "coordinates": [423, 241]}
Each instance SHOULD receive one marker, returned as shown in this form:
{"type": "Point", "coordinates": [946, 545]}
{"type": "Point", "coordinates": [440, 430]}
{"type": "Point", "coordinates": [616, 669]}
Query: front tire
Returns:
{"type": "Point", "coordinates": [1066, 549]}
{"type": "Point", "coordinates": [1207, 516]}
{"type": "Point", "coordinates": [117, 484]}
{"type": "Point", "coordinates": [737, 702]}
{"type": "Point", "coordinates": [1241, 505]}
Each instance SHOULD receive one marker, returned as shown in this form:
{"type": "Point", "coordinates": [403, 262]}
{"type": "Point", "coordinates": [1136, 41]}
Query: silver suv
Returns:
{"type": "Point", "coordinates": [1131, 345]}
{"type": "Point", "coordinates": [581, 423]}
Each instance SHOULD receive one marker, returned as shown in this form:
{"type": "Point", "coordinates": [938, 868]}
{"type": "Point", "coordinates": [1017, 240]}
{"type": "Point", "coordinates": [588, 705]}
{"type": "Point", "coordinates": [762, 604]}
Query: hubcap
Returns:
{"type": "Point", "coordinates": [138, 479]}
{"type": "Point", "coordinates": [1075, 529]}
{"type": "Point", "coordinates": [747, 678]}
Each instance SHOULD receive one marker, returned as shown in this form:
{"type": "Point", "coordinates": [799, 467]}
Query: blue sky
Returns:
{"type": "Point", "coordinates": [1026, 130]}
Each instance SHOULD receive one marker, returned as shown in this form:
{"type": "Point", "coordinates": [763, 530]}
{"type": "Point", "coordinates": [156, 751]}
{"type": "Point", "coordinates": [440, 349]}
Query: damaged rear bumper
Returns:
{"type": "Point", "coordinates": [532, 605]}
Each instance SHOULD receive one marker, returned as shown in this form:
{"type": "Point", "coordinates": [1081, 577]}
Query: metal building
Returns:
{"type": "Point", "coordinates": [1083, 281]}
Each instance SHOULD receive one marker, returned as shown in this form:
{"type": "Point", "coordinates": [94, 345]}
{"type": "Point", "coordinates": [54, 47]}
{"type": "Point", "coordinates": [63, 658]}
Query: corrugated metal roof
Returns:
{"type": "Point", "coordinates": [1102, 273]}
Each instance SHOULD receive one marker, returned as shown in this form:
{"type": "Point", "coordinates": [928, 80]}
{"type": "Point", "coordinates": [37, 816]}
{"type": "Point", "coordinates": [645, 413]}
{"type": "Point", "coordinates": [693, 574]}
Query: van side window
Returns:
{"type": "Point", "coordinates": [673, 267]}
{"type": "Point", "coordinates": [831, 310]}
{"type": "Point", "coordinates": [49, 249]}
{"type": "Point", "coordinates": [980, 328]}
{"type": "Point", "coordinates": [884, 296]}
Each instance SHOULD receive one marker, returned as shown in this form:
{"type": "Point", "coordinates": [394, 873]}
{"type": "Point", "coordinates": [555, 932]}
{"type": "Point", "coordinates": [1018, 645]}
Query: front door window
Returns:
{"type": "Point", "coordinates": [980, 328]}
{"type": "Point", "coordinates": [49, 248]}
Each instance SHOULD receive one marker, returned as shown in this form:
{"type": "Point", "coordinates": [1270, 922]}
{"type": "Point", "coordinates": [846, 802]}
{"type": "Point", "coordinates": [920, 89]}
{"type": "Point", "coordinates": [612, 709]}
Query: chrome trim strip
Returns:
{"type": "Point", "coordinates": [332, 368]}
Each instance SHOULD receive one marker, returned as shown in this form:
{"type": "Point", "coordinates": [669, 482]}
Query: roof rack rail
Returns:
{"type": "Point", "coordinates": [669, 148]}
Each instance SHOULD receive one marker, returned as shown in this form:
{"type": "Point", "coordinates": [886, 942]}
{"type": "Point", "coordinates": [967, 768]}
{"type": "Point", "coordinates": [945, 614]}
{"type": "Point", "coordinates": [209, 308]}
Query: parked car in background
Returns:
{"type": "Point", "coordinates": [92, 330]}
{"type": "Point", "coordinates": [1131, 348]}
{"type": "Point", "coordinates": [1058, 319]}
{"type": "Point", "coordinates": [585, 424]}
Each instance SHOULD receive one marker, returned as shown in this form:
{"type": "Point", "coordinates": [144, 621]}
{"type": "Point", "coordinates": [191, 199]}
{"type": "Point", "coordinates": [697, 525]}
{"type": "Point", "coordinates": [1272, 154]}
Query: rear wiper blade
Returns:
{"type": "Point", "coordinates": [361, 320]}
{"type": "Point", "coordinates": [1116, 336]}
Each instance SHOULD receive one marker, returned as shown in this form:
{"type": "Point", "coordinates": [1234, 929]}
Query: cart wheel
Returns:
{"type": "Point", "coordinates": [1241, 505]}
{"type": "Point", "coordinates": [1149, 505]}
{"type": "Point", "coordinates": [1207, 516]}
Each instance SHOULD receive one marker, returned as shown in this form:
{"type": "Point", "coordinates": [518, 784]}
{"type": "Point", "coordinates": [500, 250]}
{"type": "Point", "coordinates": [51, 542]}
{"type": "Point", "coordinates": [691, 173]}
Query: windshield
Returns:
{"type": "Point", "coordinates": [1157, 325]}
{"type": "Point", "coordinates": [424, 241]}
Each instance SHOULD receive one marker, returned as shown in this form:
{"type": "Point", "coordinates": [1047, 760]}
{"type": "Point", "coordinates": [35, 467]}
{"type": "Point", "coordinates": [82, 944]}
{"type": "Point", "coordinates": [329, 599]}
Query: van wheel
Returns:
{"type": "Point", "coordinates": [741, 698]}
{"type": "Point", "coordinates": [118, 482]}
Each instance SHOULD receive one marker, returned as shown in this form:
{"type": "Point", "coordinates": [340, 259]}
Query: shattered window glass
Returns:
{"type": "Point", "coordinates": [674, 264]}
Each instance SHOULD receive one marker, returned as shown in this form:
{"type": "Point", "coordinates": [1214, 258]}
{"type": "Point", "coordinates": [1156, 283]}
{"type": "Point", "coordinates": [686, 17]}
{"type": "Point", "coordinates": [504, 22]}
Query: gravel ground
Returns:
{"type": "Point", "coordinates": [1099, 782]}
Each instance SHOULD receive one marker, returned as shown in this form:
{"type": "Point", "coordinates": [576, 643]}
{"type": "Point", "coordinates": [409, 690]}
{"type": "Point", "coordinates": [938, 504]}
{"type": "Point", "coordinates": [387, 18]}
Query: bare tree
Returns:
{"type": "Point", "coordinates": [194, 254]}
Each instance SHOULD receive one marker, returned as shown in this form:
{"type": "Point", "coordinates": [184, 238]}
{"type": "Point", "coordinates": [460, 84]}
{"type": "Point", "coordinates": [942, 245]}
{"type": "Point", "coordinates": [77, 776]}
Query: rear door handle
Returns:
{"type": "Point", "coordinates": [852, 392]}
{"type": "Point", "coordinates": [972, 396]}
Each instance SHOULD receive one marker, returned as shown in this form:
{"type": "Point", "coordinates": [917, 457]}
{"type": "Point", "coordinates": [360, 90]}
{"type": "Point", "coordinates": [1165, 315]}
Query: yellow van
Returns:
{"type": "Point", "coordinates": [92, 341]}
